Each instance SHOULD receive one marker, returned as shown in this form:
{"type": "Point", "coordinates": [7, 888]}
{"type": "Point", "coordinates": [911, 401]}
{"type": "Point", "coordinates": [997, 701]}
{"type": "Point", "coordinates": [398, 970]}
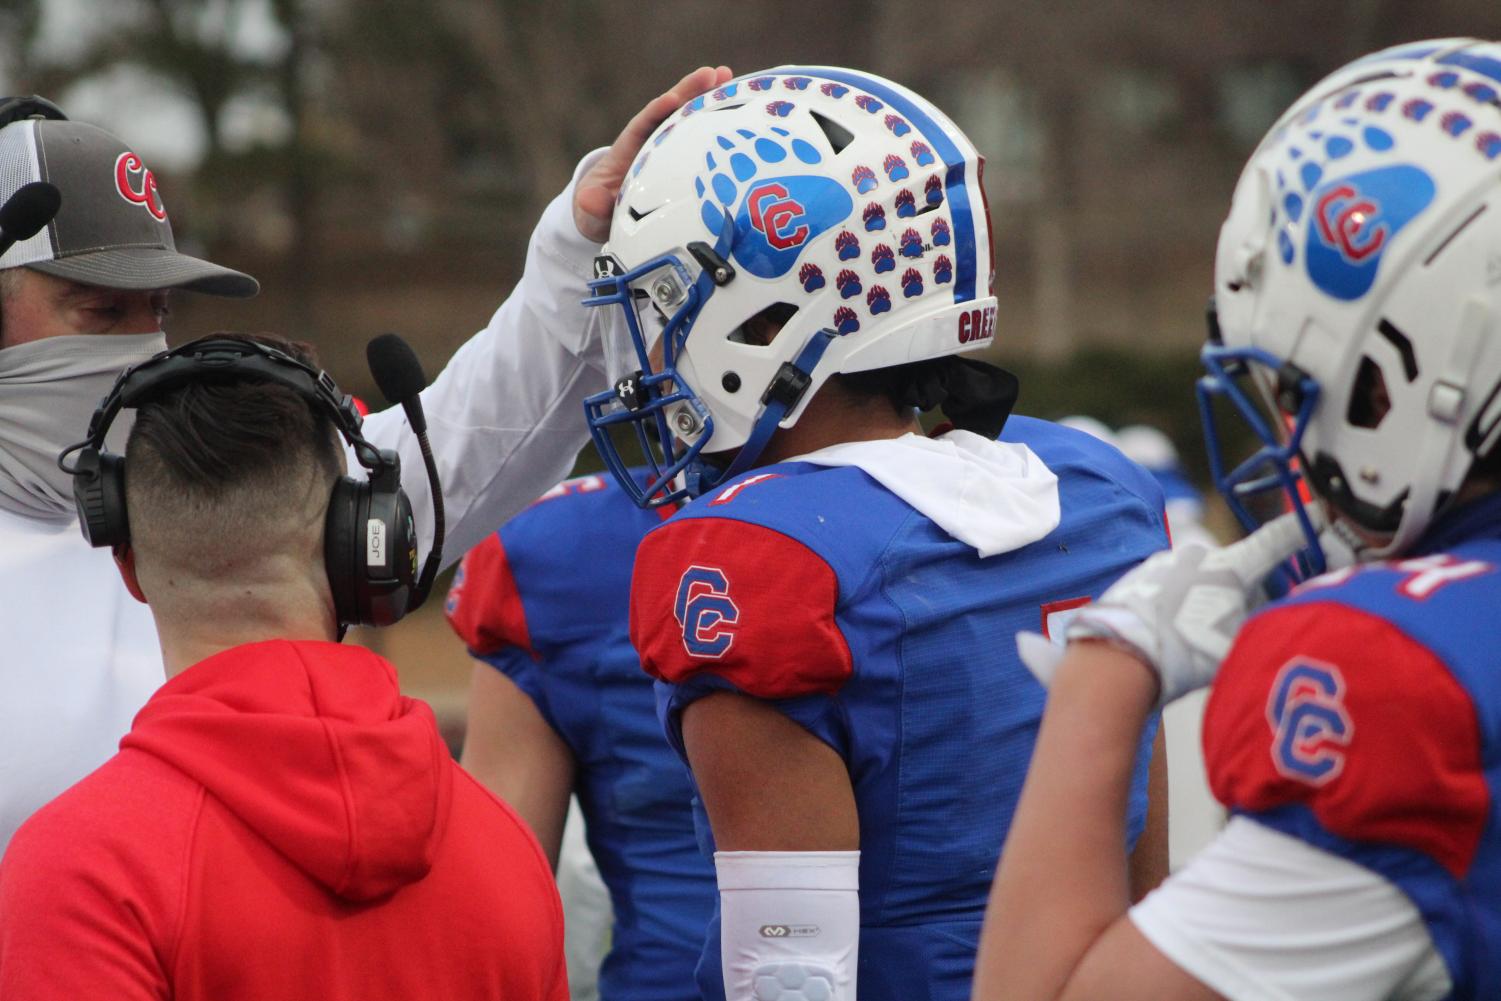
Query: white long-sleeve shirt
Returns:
{"type": "Point", "coordinates": [79, 656]}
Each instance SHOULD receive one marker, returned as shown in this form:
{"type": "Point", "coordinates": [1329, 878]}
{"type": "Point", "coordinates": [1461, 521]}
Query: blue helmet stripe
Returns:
{"type": "Point", "coordinates": [1473, 59]}
{"type": "Point", "coordinates": [1421, 50]}
{"type": "Point", "coordinates": [958, 195]}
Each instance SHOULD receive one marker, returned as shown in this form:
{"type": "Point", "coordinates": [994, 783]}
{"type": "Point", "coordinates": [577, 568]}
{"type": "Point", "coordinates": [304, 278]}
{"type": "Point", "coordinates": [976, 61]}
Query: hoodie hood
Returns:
{"type": "Point", "coordinates": [997, 496]}
{"type": "Point", "coordinates": [312, 746]}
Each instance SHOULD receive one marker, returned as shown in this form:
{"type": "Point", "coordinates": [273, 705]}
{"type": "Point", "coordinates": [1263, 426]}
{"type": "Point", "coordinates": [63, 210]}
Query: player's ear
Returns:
{"type": "Point", "coordinates": [125, 562]}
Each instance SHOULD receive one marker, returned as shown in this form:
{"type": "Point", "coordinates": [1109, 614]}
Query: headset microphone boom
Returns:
{"type": "Point", "coordinates": [27, 211]}
{"type": "Point", "coordinates": [398, 374]}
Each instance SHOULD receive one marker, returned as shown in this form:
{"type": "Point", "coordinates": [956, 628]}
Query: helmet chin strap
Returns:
{"type": "Point", "coordinates": [787, 388]}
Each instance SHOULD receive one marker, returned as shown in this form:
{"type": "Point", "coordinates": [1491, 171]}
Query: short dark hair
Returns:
{"type": "Point", "coordinates": [209, 437]}
{"type": "Point", "coordinates": [219, 475]}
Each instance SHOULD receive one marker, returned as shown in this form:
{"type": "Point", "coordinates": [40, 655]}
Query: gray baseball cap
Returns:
{"type": "Point", "coordinates": [112, 229]}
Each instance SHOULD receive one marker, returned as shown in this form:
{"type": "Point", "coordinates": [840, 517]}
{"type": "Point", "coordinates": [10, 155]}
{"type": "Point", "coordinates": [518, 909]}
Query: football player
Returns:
{"type": "Point", "coordinates": [801, 255]}
{"type": "Point", "coordinates": [1353, 728]}
{"type": "Point", "coordinates": [558, 705]}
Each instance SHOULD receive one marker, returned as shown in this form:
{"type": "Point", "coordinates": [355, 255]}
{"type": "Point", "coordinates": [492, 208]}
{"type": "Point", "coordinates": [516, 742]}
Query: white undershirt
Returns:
{"type": "Point", "coordinates": [1261, 916]}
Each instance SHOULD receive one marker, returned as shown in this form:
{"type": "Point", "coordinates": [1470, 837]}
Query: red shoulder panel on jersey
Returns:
{"type": "Point", "coordinates": [740, 601]}
{"type": "Point", "coordinates": [1336, 709]}
{"type": "Point", "coordinates": [484, 607]}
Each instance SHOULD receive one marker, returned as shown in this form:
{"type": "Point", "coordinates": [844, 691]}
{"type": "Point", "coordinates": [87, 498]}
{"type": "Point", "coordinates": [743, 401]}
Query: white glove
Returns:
{"type": "Point", "coordinates": [1179, 611]}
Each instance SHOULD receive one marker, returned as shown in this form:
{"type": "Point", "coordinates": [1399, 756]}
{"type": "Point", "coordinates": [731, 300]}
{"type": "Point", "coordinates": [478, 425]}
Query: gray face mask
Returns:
{"type": "Point", "coordinates": [48, 391]}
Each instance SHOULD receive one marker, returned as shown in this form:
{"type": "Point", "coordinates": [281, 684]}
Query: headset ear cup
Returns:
{"type": "Point", "coordinates": [99, 494]}
{"type": "Point", "coordinates": [341, 543]}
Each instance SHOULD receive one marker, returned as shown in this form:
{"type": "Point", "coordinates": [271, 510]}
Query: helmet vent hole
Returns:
{"type": "Point", "coordinates": [838, 136]}
{"type": "Point", "coordinates": [764, 327]}
{"type": "Point", "coordinates": [1400, 341]}
{"type": "Point", "coordinates": [1369, 400]}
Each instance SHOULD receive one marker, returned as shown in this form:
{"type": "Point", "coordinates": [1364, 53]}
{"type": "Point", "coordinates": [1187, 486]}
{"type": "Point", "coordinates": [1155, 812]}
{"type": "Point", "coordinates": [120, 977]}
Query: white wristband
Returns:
{"type": "Point", "coordinates": [789, 925]}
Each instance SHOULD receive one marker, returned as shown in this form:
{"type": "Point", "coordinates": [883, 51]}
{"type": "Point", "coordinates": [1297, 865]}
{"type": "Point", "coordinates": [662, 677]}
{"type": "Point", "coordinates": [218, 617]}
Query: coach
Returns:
{"type": "Point", "coordinates": [86, 297]}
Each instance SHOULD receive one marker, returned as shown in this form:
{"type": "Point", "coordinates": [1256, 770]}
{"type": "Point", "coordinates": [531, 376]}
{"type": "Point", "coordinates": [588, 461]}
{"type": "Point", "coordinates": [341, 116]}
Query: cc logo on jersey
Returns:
{"type": "Point", "coordinates": [1310, 727]}
{"type": "Point", "coordinates": [705, 611]}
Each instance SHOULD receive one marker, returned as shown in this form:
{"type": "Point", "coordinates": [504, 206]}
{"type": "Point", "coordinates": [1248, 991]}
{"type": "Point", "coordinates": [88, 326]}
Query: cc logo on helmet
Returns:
{"type": "Point", "coordinates": [1349, 222]}
{"type": "Point", "coordinates": [776, 215]}
{"type": "Point", "coordinates": [706, 612]}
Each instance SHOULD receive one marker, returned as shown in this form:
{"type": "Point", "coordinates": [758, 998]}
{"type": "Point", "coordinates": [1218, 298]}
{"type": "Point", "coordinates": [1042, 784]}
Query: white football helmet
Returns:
{"type": "Point", "coordinates": [841, 205]}
{"type": "Point", "coordinates": [1358, 285]}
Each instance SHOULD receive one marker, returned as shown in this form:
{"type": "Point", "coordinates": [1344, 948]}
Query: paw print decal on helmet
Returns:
{"type": "Point", "coordinates": [775, 216]}
{"type": "Point", "coordinates": [911, 243]}
{"type": "Point", "coordinates": [911, 283]}
{"type": "Point", "coordinates": [1350, 217]}
{"type": "Point", "coordinates": [933, 190]}
{"type": "Point", "coordinates": [848, 284]}
{"type": "Point", "coordinates": [811, 275]}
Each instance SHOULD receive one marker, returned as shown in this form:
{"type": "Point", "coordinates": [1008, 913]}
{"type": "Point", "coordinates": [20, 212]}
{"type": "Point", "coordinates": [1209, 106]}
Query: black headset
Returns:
{"type": "Point", "coordinates": [370, 539]}
{"type": "Point", "coordinates": [15, 109]}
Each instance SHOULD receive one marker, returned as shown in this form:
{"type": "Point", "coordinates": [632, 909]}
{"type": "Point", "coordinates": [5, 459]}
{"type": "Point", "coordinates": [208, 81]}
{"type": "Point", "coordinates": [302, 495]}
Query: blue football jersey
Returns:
{"type": "Point", "coordinates": [819, 590]}
{"type": "Point", "coordinates": [1362, 714]}
{"type": "Point", "coordinates": [545, 601]}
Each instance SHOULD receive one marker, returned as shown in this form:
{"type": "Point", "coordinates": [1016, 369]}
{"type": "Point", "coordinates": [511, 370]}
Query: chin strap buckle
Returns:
{"type": "Point", "coordinates": [787, 386]}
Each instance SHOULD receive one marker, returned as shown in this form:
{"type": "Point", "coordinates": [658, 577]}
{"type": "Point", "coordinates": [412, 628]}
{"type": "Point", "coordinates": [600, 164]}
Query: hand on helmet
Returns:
{"type": "Point", "coordinates": [1179, 611]}
{"type": "Point", "coordinates": [594, 197]}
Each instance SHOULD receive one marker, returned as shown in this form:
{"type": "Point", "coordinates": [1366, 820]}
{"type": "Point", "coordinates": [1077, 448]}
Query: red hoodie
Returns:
{"type": "Point", "coordinates": [279, 823]}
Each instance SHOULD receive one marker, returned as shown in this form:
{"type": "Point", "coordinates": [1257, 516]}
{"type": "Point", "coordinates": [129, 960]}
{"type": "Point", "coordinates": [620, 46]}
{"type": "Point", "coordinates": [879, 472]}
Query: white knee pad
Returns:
{"type": "Point", "coordinates": [789, 925]}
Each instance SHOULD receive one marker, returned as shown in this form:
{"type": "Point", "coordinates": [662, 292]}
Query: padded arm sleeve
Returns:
{"type": "Point", "coordinates": [789, 925]}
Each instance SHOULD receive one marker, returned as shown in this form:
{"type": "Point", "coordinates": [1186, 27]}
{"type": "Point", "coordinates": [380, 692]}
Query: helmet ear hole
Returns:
{"type": "Point", "coordinates": [1369, 400]}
